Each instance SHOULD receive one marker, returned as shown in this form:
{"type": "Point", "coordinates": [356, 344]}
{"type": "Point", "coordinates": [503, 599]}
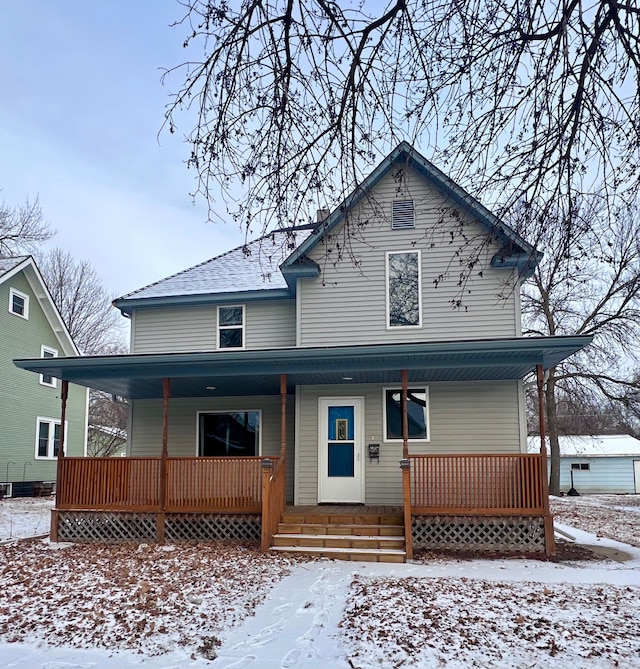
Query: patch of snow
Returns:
{"type": "Point", "coordinates": [24, 517]}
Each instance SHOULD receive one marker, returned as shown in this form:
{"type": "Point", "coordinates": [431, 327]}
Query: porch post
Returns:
{"type": "Point", "coordinates": [283, 415]}
{"type": "Point", "coordinates": [405, 419]}
{"type": "Point", "coordinates": [541, 414]}
{"type": "Point", "coordinates": [166, 392]}
{"type": "Point", "coordinates": [64, 394]}
{"type": "Point", "coordinates": [549, 538]}
{"type": "Point", "coordinates": [266, 532]}
{"type": "Point", "coordinates": [405, 466]}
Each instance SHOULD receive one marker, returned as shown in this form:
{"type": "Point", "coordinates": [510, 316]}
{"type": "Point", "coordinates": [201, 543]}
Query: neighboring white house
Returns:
{"type": "Point", "coordinates": [608, 463]}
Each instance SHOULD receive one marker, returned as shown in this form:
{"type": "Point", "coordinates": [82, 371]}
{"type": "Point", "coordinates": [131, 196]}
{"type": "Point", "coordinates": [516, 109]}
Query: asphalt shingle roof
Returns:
{"type": "Point", "coordinates": [253, 266]}
{"type": "Point", "coordinates": [7, 264]}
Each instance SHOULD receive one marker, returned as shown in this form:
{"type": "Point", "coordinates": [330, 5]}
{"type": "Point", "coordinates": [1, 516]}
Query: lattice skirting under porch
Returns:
{"type": "Point", "coordinates": [209, 527]}
{"type": "Point", "coordinates": [521, 534]}
{"type": "Point", "coordinates": [125, 527]}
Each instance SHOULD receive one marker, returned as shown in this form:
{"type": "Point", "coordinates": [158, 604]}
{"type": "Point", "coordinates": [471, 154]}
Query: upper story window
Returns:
{"type": "Point", "coordinates": [402, 215]}
{"type": "Point", "coordinates": [18, 303]}
{"type": "Point", "coordinates": [404, 289]}
{"type": "Point", "coordinates": [231, 327]}
{"type": "Point", "coordinates": [46, 379]}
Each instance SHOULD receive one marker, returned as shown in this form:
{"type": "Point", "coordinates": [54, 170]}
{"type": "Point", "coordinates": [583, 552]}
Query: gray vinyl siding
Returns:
{"type": "Point", "coordinates": [347, 304]}
{"type": "Point", "coordinates": [269, 324]}
{"type": "Point", "coordinates": [23, 399]}
{"type": "Point", "coordinates": [610, 475]}
{"type": "Point", "coordinates": [480, 417]}
{"type": "Point", "coordinates": [146, 426]}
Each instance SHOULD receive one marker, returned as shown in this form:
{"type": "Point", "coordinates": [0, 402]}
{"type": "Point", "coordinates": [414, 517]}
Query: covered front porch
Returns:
{"type": "Point", "coordinates": [168, 498]}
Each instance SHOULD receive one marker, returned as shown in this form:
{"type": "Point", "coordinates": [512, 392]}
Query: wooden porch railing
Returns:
{"type": "Point", "coordinates": [122, 484]}
{"type": "Point", "coordinates": [232, 485]}
{"type": "Point", "coordinates": [273, 498]}
{"type": "Point", "coordinates": [477, 484]}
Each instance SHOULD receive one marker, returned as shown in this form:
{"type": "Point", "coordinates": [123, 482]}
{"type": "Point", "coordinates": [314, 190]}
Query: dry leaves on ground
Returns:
{"type": "Point", "coordinates": [612, 516]}
{"type": "Point", "coordinates": [148, 598]}
{"type": "Point", "coordinates": [462, 622]}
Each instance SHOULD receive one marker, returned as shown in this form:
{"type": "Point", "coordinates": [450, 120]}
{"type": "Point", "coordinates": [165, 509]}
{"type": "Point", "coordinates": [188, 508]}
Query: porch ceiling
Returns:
{"type": "Point", "coordinates": [257, 372]}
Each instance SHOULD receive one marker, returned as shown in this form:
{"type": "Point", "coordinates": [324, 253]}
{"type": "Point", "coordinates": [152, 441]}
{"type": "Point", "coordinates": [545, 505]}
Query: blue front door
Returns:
{"type": "Point", "coordinates": [340, 461]}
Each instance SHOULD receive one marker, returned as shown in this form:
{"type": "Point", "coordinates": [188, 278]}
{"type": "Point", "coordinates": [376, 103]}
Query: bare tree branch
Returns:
{"type": "Point", "coordinates": [22, 228]}
{"type": "Point", "coordinates": [288, 103]}
{"type": "Point", "coordinates": [83, 302]}
{"type": "Point", "coordinates": [587, 283]}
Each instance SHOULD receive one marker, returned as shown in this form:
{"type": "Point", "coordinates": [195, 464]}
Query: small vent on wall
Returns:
{"type": "Point", "coordinates": [402, 215]}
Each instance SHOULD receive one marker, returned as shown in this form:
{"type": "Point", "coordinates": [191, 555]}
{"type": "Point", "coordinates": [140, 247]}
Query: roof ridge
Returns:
{"type": "Point", "coordinates": [205, 262]}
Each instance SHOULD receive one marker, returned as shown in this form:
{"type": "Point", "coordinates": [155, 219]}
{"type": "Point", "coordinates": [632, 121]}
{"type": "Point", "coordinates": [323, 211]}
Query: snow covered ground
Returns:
{"type": "Point", "coordinates": [612, 516]}
{"type": "Point", "coordinates": [187, 607]}
{"type": "Point", "coordinates": [25, 517]}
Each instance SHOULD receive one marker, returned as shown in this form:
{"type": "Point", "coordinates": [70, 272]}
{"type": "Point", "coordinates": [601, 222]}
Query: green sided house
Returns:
{"type": "Point", "coordinates": [31, 326]}
{"type": "Point", "coordinates": [352, 389]}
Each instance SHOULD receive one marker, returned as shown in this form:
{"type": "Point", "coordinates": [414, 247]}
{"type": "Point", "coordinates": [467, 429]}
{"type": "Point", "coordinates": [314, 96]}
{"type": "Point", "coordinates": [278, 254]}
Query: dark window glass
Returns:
{"type": "Point", "coordinates": [17, 305]}
{"type": "Point", "coordinates": [231, 338]}
{"type": "Point", "coordinates": [43, 439]}
{"type": "Point", "coordinates": [230, 316]}
{"type": "Point", "coordinates": [46, 378]}
{"type": "Point", "coordinates": [229, 434]}
{"type": "Point", "coordinates": [56, 440]}
{"type": "Point", "coordinates": [404, 289]}
{"type": "Point", "coordinates": [416, 413]}
{"type": "Point", "coordinates": [230, 322]}
{"type": "Point", "coordinates": [580, 465]}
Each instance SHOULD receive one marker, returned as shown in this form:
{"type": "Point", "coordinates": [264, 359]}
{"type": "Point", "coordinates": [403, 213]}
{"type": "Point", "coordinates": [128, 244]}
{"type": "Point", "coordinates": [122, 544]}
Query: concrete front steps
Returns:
{"type": "Point", "coordinates": [364, 537]}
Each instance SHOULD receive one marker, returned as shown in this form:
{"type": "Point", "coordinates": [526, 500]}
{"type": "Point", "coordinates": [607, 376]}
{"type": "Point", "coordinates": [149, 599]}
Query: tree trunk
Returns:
{"type": "Point", "coordinates": [552, 432]}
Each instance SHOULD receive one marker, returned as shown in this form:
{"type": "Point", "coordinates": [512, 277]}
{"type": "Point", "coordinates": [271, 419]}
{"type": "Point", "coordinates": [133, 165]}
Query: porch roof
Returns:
{"type": "Point", "coordinates": [257, 372]}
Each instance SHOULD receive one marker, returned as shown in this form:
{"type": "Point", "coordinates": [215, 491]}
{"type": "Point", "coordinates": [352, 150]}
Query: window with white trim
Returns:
{"type": "Point", "coordinates": [229, 433]}
{"type": "Point", "coordinates": [231, 326]}
{"type": "Point", "coordinates": [47, 379]}
{"type": "Point", "coordinates": [47, 438]}
{"type": "Point", "coordinates": [18, 303]}
{"type": "Point", "coordinates": [417, 414]}
{"type": "Point", "coordinates": [404, 289]}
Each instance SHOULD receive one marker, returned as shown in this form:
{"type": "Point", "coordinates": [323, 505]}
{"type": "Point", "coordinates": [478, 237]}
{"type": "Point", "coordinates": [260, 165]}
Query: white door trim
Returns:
{"type": "Point", "coordinates": [352, 490]}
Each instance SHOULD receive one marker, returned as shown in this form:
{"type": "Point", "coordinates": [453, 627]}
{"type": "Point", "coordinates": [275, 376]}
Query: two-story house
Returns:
{"type": "Point", "coordinates": [31, 326]}
{"type": "Point", "coordinates": [368, 370]}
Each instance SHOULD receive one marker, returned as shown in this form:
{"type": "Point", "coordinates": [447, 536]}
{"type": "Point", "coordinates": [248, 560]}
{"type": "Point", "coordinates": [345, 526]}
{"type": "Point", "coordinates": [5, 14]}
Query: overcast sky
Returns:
{"type": "Point", "coordinates": [80, 109]}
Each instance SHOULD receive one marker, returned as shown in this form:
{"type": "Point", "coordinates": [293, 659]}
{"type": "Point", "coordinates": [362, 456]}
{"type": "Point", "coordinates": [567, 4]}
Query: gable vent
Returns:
{"type": "Point", "coordinates": [402, 215]}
